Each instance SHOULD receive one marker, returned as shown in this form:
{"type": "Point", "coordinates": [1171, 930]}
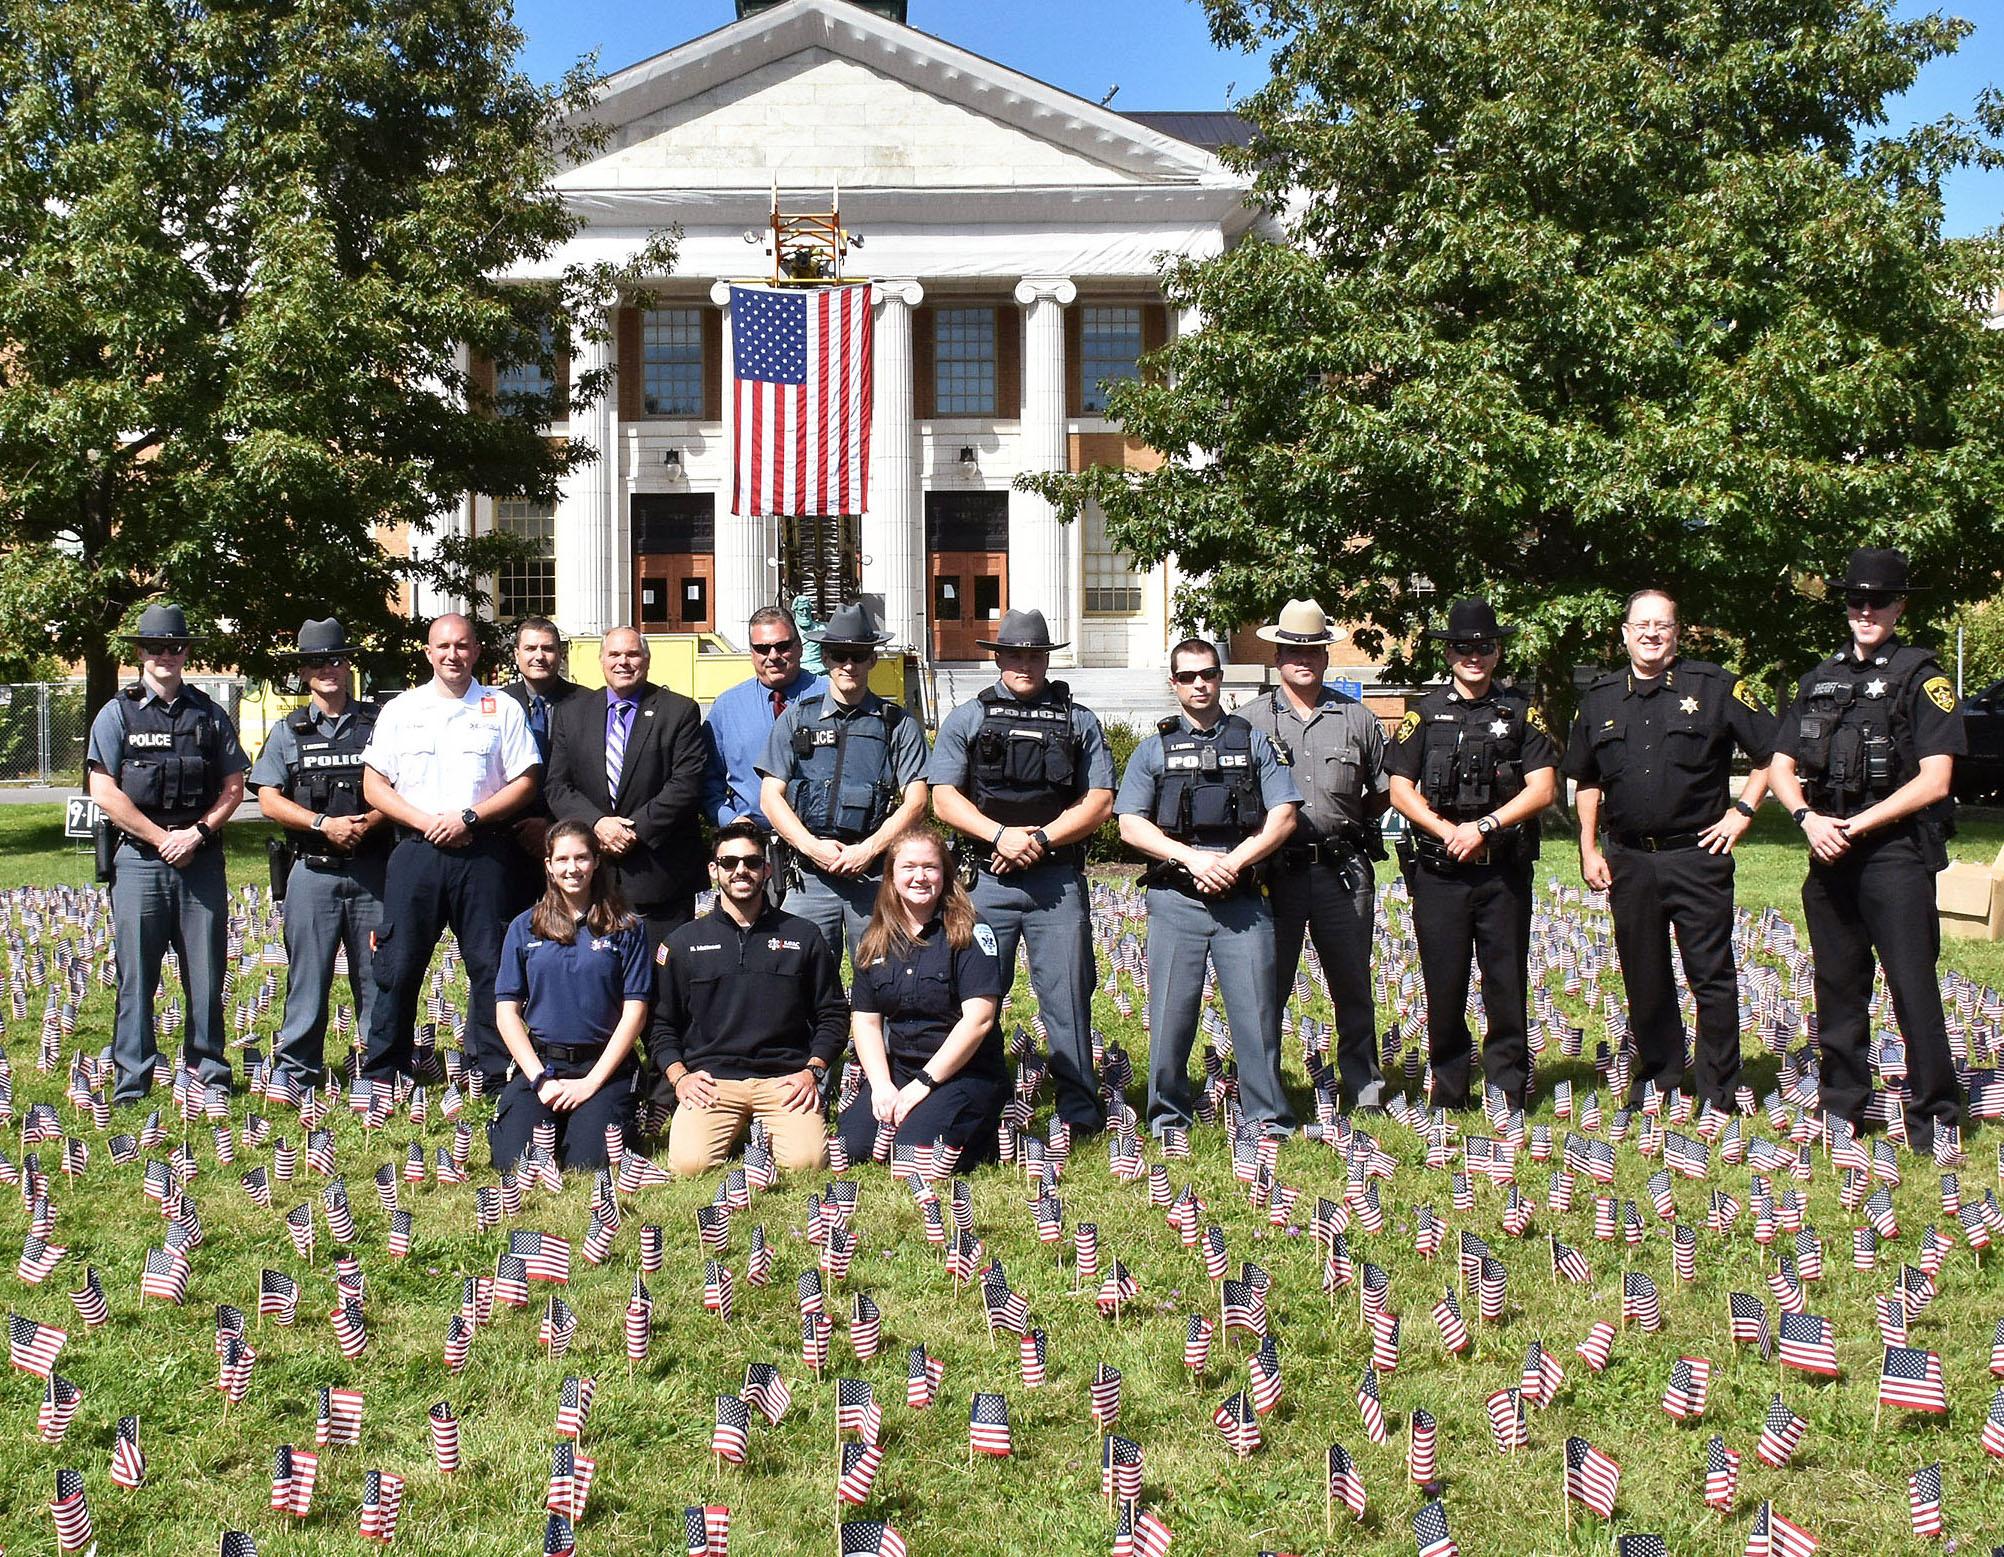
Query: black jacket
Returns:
{"type": "Point", "coordinates": [660, 787]}
{"type": "Point", "coordinates": [751, 1002]}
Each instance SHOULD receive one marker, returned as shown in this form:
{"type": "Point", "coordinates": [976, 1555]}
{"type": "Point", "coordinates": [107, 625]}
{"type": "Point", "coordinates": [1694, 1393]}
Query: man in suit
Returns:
{"type": "Point", "coordinates": [630, 763]}
{"type": "Point", "coordinates": [540, 688]}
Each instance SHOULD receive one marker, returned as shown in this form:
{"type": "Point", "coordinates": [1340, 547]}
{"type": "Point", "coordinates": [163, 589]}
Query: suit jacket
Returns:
{"type": "Point", "coordinates": [566, 692]}
{"type": "Point", "coordinates": [660, 787]}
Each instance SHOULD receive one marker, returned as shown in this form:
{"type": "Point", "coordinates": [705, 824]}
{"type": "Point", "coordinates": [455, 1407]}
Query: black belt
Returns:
{"type": "Point", "coordinates": [1322, 851]}
{"type": "Point", "coordinates": [1657, 843]}
{"type": "Point", "coordinates": [1069, 855]}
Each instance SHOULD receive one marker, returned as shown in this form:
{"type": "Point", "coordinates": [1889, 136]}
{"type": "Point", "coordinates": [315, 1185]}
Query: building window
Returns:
{"type": "Point", "coordinates": [1109, 351]}
{"type": "Point", "coordinates": [671, 354]}
{"type": "Point", "coordinates": [1112, 583]}
{"type": "Point", "coordinates": [527, 587]}
{"type": "Point", "coordinates": [964, 362]}
{"type": "Point", "coordinates": [515, 382]}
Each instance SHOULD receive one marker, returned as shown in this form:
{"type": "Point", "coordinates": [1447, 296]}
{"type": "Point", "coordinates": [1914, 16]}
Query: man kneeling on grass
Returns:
{"type": "Point", "coordinates": [748, 1018]}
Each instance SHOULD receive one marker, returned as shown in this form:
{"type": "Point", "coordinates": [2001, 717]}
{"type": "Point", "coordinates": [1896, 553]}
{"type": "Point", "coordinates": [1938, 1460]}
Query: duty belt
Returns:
{"type": "Point", "coordinates": [1657, 843]}
{"type": "Point", "coordinates": [1069, 855]}
{"type": "Point", "coordinates": [1321, 851]}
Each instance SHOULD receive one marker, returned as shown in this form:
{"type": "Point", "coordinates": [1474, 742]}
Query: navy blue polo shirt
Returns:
{"type": "Point", "coordinates": [572, 994]}
{"type": "Point", "coordinates": [919, 996]}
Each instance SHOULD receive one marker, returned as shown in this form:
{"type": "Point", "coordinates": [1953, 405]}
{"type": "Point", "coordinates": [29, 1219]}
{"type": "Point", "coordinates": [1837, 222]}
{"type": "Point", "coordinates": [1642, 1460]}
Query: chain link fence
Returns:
{"type": "Point", "coordinates": [45, 727]}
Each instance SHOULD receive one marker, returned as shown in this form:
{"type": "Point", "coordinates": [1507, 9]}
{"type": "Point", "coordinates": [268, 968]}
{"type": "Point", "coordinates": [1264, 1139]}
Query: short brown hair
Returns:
{"type": "Point", "coordinates": [1202, 646]}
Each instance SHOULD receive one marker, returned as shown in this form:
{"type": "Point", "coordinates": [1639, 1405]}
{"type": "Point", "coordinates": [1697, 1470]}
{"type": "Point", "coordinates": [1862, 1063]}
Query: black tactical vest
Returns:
{"type": "Point", "coordinates": [843, 785]}
{"type": "Point", "coordinates": [1856, 749]}
{"type": "Point", "coordinates": [326, 773]}
{"type": "Point", "coordinates": [1209, 795]}
{"type": "Point", "coordinates": [1467, 768]}
{"type": "Point", "coordinates": [1026, 763]}
{"type": "Point", "coordinates": [172, 765]}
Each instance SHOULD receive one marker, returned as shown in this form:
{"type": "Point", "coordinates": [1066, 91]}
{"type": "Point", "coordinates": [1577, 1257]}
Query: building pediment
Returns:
{"type": "Point", "coordinates": [818, 92]}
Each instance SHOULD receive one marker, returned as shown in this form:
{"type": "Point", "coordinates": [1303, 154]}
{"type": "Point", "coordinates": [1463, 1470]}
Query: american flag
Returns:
{"type": "Point", "coordinates": [1151, 1535]}
{"type": "Point", "coordinates": [866, 1326]}
{"type": "Point", "coordinates": [60, 1399]}
{"type": "Point", "coordinates": [277, 1296]}
{"type": "Point", "coordinates": [1197, 1333]}
{"type": "Point", "coordinates": [444, 1428]}
{"type": "Point", "coordinates": [71, 1510]}
{"type": "Point", "coordinates": [1640, 1546]}
{"type": "Point", "coordinates": [33, 1347]}
{"type": "Point", "coordinates": [1105, 1393]}
{"type": "Point", "coordinates": [1924, 1500]}
{"type": "Point", "coordinates": [730, 1436]}
{"type": "Point", "coordinates": [1508, 1425]}
{"type": "Point", "coordinates": [340, 1421]}
{"type": "Point", "coordinates": [128, 1460]}
{"type": "Point", "coordinates": [923, 1373]}
{"type": "Point", "coordinates": [382, 1500]}
{"type": "Point", "coordinates": [545, 1256]}
{"type": "Point", "coordinates": [559, 1538]}
{"type": "Point", "coordinates": [1591, 1477]}
{"type": "Point", "coordinates": [574, 1398]}
{"type": "Point", "coordinates": [165, 1275]}
{"type": "Point", "coordinates": [1238, 1422]}
{"type": "Point", "coordinates": [1993, 1425]}
{"type": "Point", "coordinates": [1430, 1537]}
{"type": "Point", "coordinates": [1345, 1484]}
{"type": "Point", "coordinates": [706, 1531]}
{"type": "Point", "coordinates": [1773, 1536]}
{"type": "Point", "coordinates": [1690, 1383]}
{"type": "Point", "coordinates": [1370, 1407]}
{"type": "Point", "coordinates": [1911, 1378]}
{"type": "Point", "coordinates": [1807, 1343]}
{"type": "Point", "coordinates": [1032, 1351]}
{"type": "Point", "coordinates": [1423, 1447]}
{"type": "Point", "coordinates": [88, 1300]}
{"type": "Point", "coordinates": [1722, 1474]}
{"type": "Point", "coordinates": [801, 378]}
{"type": "Point", "coordinates": [718, 1288]}
{"type": "Point", "coordinates": [1119, 1469]}
{"type": "Point", "coordinates": [570, 1481]}
{"type": "Point", "coordinates": [1453, 1329]}
{"type": "Point", "coordinates": [294, 1473]}
{"type": "Point", "coordinates": [764, 1388]}
{"type": "Point", "coordinates": [1749, 1321]}
{"type": "Point", "coordinates": [1780, 1434]}
{"type": "Point", "coordinates": [857, 1409]}
{"type": "Point", "coordinates": [988, 1425]}
{"type": "Point", "coordinates": [858, 1472]}
{"type": "Point", "coordinates": [871, 1538]}
{"type": "Point", "coordinates": [1639, 1301]}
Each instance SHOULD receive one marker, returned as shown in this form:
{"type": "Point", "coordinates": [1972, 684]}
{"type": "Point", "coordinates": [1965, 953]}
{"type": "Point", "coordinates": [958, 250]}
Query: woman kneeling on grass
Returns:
{"type": "Point", "coordinates": [926, 990]}
{"type": "Point", "coordinates": [573, 990]}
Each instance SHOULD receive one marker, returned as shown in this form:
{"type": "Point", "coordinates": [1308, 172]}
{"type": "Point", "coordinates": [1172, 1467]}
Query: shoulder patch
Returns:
{"type": "Point", "coordinates": [1407, 725]}
{"type": "Point", "coordinates": [1745, 694]}
{"type": "Point", "coordinates": [1535, 718]}
{"type": "Point", "coordinates": [984, 937]}
{"type": "Point", "coordinates": [661, 955]}
{"type": "Point", "coordinates": [1940, 693]}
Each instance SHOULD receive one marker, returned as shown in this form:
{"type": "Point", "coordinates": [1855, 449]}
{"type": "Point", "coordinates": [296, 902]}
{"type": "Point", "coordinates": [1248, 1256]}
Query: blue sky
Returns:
{"type": "Point", "coordinates": [1159, 53]}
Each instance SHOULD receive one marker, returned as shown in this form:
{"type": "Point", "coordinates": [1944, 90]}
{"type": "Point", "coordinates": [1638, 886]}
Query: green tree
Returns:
{"type": "Point", "coordinates": [241, 245]}
{"type": "Point", "coordinates": [1555, 298]}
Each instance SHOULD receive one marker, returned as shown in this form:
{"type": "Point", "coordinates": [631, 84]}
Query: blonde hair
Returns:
{"type": "Point", "coordinates": [886, 935]}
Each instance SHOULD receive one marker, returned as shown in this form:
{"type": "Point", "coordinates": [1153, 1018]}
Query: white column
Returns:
{"type": "Point", "coordinates": [893, 529]}
{"type": "Point", "coordinates": [587, 540]}
{"type": "Point", "coordinates": [1043, 554]}
{"type": "Point", "coordinates": [744, 575]}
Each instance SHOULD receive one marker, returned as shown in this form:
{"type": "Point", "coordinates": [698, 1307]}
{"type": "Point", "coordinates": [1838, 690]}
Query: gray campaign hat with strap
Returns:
{"type": "Point", "coordinates": [162, 623]}
{"type": "Point", "coordinates": [850, 627]}
{"type": "Point", "coordinates": [1022, 630]}
{"type": "Point", "coordinates": [324, 639]}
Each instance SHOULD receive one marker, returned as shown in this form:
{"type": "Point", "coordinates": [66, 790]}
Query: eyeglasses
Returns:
{"type": "Point", "coordinates": [848, 656]}
{"type": "Point", "coordinates": [770, 651]}
{"type": "Point", "coordinates": [1473, 646]}
{"type": "Point", "coordinates": [152, 647]}
{"type": "Point", "coordinates": [324, 661]}
{"type": "Point", "coordinates": [1650, 627]}
{"type": "Point", "coordinates": [731, 864]}
{"type": "Point", "coordinates": [1186, 678]}
{"type": "Point", "coordinates": [1869, 599]}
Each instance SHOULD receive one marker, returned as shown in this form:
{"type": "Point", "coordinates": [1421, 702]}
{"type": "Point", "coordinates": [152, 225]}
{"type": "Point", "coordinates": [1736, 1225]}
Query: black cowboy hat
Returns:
{"type": "Point", "coordinates": [162, 624]}
{"type": "Point", "coordinates": [1022, 630]}
{"type": "Point", "coordinates": [1880, 570]}
{"type": "Point", "coordinates": [1469, 620]}
{"type": "Point", "coordinates": [324, 639]}
{"type": "Point", "coordinates": [850, 627]}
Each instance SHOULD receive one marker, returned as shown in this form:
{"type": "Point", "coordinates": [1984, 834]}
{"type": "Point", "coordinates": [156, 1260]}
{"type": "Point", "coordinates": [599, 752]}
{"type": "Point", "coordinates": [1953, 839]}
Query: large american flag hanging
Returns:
{"type": "Point", "coordinates": [801, 363]}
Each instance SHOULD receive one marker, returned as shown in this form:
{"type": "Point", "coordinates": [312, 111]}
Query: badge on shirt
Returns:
{"type": "Point", "coordinates": [487, 705]}
{"type": "Point", "coordinates": [1408, 724]}
{"type": "Point", "coordinates": [985, 938]}
{"type": "Point", "coordinates": [1745, 694]}
{"type": "Point", "coordinates": [1536, 721]}
{"type": "Point", "coordinates": [1940, 693]}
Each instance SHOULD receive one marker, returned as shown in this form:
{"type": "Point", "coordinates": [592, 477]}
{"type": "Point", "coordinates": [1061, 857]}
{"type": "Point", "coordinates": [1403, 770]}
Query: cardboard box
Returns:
{"type": "Point", "coordinates": [1970, 900]}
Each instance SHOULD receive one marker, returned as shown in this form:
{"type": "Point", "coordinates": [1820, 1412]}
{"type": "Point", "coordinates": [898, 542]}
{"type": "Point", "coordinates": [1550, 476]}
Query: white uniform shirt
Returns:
{"type": "Point", "coordinates": [443, 754]}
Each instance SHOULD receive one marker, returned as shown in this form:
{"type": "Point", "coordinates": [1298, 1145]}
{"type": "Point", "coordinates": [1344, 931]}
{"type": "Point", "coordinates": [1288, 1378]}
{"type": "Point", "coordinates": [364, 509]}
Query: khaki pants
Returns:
{"type": "Point", "coordinates": [699, 1139]}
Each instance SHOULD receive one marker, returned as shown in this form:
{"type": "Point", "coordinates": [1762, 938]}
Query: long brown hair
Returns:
{"type": "Point", "coordinates": [886, 935]}
{"type": "Point", "coordinates": [550, 919]}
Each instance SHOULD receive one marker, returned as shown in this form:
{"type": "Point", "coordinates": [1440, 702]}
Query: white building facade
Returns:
{"type": "Point", "coordinates": [1014, 234]}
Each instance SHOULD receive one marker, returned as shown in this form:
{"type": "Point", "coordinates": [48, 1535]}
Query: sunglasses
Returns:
{"type": "Point", "coordinates": [731, 864]}
{"type": "Point", "coordinates": [1473, 646]}
{"type": "Point", "coordinates": [848, 656]}
{"type": "Point", "coordinates": [148, 646]}
{"type": "Point", "coordinates": [1189, 678]}
{"type": "Point", "coordinates": [323, 661]}
{"type": "Point", "coordinates": [1869, 599]}
{"type": "Point", "coordinates": [770, 651]}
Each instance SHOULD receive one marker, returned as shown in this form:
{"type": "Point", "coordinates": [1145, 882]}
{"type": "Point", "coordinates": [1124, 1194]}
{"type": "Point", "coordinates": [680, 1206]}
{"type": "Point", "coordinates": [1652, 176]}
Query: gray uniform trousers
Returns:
{"type": "Point", "coordinates": [1045, 907]}
{"type": "Point", "coordinates": [838, 906]}
{"type": "Point", "coordinates": [155, 906]}
{"type": "Point", "coordinates": [331, 901]}
{"type": "Point", "coordinates": [1335, 905]}
{"type": "Point", "coordinates": [1237, 932]}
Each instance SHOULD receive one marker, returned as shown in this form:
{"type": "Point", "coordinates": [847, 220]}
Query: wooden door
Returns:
{"type": "Point", "coordinates": [967, 565]}
{"type": "Point", "coordinates": [676, 592]}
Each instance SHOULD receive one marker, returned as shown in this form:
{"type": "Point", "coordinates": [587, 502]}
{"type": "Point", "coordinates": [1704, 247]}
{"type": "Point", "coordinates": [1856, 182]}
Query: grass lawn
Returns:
{"type": "Point", "coordinates": [209, 1469]}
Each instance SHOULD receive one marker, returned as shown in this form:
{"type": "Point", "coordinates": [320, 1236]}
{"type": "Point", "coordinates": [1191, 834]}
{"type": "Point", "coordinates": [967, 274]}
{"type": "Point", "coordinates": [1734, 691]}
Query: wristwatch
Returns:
{"type": "Point", "coordinates": [1798, 814]}
{"type": "Point", "coordinates": [319, 821]}
{"type": "Point", "coordinates": [1043, 839]}
{"type": "Point", "coordinates": [470, 817]}
{"type": "Point", "coordinates": [1743, 808]}
{"type": "Point", "coordinates": [1485, 825]}
{"type": "Point", "coordinates": [926, 1076]}
{"type": "Point", "coordinates": [208, 833]}
{"type": "Point", "coordinates": [543, 1075]}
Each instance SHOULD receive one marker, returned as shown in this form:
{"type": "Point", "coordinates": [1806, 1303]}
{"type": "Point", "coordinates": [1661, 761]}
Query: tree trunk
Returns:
{"type": "Point", "coordinates": [100, 666]}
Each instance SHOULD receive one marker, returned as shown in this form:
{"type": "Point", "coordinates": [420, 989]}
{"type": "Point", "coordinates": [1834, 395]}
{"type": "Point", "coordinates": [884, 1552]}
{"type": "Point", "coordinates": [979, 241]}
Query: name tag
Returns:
{"type": "Point", "coordinates": [487, 706]}
{"type": "Point", "coordinates": [824, 737]}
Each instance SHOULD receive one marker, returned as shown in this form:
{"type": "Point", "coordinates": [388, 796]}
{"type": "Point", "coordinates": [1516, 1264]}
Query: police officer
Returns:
{"type": "Point", "coordinates": [1652, 746]}
{"type": "Point", "coordinates": [450, 763]}
{"type": "Point", "coordinates": [308, 780]}
{"type": "Point", "coordinates": [843, 774]}
{"type": "Point", "coordinates": [1471, 769]}
{"type": "Point", "coordinates": [165, 768]}
{"type": "Point", "coordinates": [1323, 881]}
{"type": "Point", "coordinates": [1024, 773]}
{"type": "Point", "coordinates": [1206, 799]}
{"type": "Point", "coordinates": [1863, 762]}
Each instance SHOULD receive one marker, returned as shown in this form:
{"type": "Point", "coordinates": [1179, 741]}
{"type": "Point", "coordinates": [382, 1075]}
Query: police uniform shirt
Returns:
{"type": "Point", "coordinates": [742, 1001]}
{"type": "Point", "coordinates": [443, 753]}
{"type": "Point", "coordinates": [952, 756]}
{"type": "Point", "coordinates": [574, 994]}
{"type": "Point", "coordinates": [1660, 748]}
{"type": "Point", "coordinates": [1143, 779]}
{"type": "Point", "coordinates": [107, 735]}
{"type": "Point", "coordinates": [919, 996]}
{"type": "Point", "coordinates": [1336, 752]}
{"type": "Point", "coordinates": [281, 745]}
{"type": "Point", "coordinates": [907, 740]}
{"type": "Point", "coordinates": [1505, 712]}
{"type": "Point", "coordinates": [1931, 721]}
